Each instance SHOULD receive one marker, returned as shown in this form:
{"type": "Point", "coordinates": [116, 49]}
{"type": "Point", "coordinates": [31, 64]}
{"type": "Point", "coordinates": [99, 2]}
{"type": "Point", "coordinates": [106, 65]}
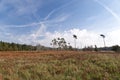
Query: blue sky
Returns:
{"type": "Point", "coordinates": [39, 21]}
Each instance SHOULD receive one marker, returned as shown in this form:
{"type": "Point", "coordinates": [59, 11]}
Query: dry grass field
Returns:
{"type": "Point", "coordinates": [59, 65]}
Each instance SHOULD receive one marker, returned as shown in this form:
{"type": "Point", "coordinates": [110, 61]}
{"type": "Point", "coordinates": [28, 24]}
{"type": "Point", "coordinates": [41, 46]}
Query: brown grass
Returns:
{"type": "Point", "coordinates": [69, 65]}
{"type": "Point", "coordinates": [55, 54]}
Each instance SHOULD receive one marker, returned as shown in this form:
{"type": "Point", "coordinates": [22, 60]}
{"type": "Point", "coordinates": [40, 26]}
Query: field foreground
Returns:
{"type": "Point", "coordinates": [59, 65]}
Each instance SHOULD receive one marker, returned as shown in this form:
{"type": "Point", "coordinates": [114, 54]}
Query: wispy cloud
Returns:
{"type": "Point", "coordinates": [34, 36]}
{"type": "Point", "coordinates": [22, 26]}
{"type": "Point", "coordinates": [58, 19]}
{"type": "Point", "coordinates": [58, 9]}
{"type": "Point", "coordinates": [39, 32]}
{"type": "Point", "coordinates": [109, 10]}
{"type": "Point", "coordinates": [20, 7]}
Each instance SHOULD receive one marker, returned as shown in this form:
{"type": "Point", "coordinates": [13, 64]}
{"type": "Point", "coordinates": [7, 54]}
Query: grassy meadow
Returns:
{"type": "Point", "coordinates": [59, 65]}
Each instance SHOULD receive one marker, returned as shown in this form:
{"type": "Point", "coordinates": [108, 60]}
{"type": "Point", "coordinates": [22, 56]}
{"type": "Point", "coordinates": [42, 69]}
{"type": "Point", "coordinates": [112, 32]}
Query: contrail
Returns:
{"type": "Point", "coordinates": [57, 9]}
{"type": "Point", "coordinates": [109, 10]}
{"type": "Point", "coordinates": [49, 14]}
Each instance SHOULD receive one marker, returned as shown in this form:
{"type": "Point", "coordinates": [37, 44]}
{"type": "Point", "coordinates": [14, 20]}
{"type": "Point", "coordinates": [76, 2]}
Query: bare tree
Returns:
{"type": "Point", "coordinates": [75, 37]}
{"type": "Point", "coordinates": [103, 36]}
{"type": "Point", "coordinates": [60, 43]}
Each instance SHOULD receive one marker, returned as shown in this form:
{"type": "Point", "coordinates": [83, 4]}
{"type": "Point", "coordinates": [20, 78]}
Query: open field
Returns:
{"type": "Point", "coordinates": [59, 65]}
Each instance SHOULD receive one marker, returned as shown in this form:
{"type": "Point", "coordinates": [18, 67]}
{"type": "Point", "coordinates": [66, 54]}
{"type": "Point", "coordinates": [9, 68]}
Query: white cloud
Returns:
{"type": "Point", "coordinates": [113, 37]}
{"type": "Point", "coordinates": [85, 37]}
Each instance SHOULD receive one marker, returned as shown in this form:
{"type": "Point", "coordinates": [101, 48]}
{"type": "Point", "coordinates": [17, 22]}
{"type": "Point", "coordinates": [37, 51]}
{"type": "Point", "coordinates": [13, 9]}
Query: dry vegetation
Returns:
{"type": "Point", "coordinates": [59, 65]}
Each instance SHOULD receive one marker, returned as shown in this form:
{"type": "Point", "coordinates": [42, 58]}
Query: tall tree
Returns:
{"type": "Point", "coordinates": [75, 37]}
{"type": "Point", "coordinates": [103, 36]}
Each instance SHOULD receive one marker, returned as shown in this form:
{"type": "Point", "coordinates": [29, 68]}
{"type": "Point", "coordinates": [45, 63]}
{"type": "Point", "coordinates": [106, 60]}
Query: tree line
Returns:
{"type": "Point", "coordinates": [5, 46]}
{"type": "Point", "coordinates": [56, 43]}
